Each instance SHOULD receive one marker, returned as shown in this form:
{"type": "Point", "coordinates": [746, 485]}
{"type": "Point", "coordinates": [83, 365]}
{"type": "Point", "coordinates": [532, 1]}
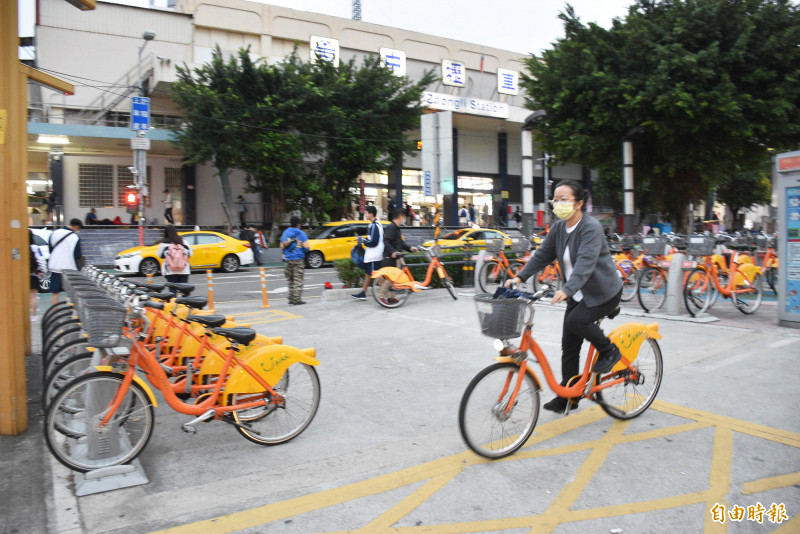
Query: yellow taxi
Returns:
{"type": "Point", "coordinates": [473, 237]}
{"type": "Point", "coordinates": [334, 240]}
{"type": "Point", "coordinates": [210, 250]}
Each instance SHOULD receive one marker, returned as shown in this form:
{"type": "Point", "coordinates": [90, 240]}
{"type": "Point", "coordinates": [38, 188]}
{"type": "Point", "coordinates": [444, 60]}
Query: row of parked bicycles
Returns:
{"type": "Point", "coordinates": [717, 267]}
{"type": "Point", "coordinates": [100, 413]}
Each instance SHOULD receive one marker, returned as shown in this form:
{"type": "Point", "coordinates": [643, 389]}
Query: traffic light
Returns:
{"type": "Point", "coordinates": [131, 199]}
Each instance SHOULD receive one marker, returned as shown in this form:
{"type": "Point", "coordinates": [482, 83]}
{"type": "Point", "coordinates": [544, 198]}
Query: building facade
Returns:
{"type": "Point", "coordinates": [81, 143]}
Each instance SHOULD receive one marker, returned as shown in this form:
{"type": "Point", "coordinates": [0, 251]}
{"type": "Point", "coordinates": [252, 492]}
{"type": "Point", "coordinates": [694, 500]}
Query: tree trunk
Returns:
{"type": "Point", "coordinates": [227, 199]}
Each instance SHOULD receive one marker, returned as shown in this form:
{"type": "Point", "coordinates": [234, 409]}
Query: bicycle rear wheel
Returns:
{"type": "Point", "coordinates": [71, 424]}
{"type": "Point", "coordinates": [491, 276]}
{"type": "Point", "coordinates": [651, 289]}
{"type": "Point", "coordinates": [486, 424]}
{"type": "Point", "coordinates": [549, 276]}
{"type": "Point", "coordinates": [749, 299]}
{"type": "Point", "coordinates": [771, 276]}
{"type": "Point", "coordinates": [386, 295]}
{"type": "Point", "coordinates": [63, 373]}
{"type": "Point", "coordinates": [698, 290]}
{"type": "Point", "coordinates": [636, 393]}
{"type": "Point", "coordinates": [277, 423]}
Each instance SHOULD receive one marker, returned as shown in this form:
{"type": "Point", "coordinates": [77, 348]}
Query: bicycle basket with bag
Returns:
{"type": "Point", "coordinates": [501, 318]}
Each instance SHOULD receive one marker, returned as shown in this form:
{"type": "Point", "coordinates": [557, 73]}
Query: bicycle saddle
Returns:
{"type": "Point", "coordinates": [183, 289]}
{"type": "Point", "coordinates": [150, 287]}
{"type": "Point", "coordinates": [195, 303]}
{"type": "Point", "coordinates": [211, 321]}
{"type": "Point", "coordinates": [239, 334]}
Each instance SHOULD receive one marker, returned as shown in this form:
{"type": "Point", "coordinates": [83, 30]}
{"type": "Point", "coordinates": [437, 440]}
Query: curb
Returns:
{"type": "Point", "coordinates": [330, 295]}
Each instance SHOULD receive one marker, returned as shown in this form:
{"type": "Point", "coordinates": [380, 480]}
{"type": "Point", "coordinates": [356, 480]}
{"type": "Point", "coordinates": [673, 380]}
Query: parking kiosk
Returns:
{"type": "Point", "coordinates": [787, 185]}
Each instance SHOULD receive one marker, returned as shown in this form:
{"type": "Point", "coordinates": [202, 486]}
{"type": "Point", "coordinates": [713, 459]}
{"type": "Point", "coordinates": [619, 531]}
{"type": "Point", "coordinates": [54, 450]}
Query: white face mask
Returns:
{"type": "Point", "coordinates": [563, 210]}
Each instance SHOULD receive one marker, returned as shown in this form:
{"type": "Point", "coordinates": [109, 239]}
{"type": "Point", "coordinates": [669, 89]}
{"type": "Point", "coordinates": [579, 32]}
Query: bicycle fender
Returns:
{"type": "Point", "coordinates": [270, 363]}
{"type": "Point", "coordinates": [509, 359]}
{"type": "Point", "coordinates": [136, 379]}
{"type": "Point", "coordinates": [213, 362]}
{"type": "Point", "coordinates": [392, 273]}
{"type": "Point", "coordinates": [629, 337]}
{"type": "Point", "coordinates": [749, 270]}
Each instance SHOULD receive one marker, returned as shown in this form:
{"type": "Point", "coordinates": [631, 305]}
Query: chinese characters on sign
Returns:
{"type": "Point", "coordinates": [776, 513]}
{"type": "Point", "coordinates": [324, 48]}
{"type": "Point", "coordinates": [507, 82]}
{"type": "Point", "coordinates": [140, 113]}
{"type": "Point", "coordinates": [395, 60]}
{"type": "Point", "coordinates": [453, 73]}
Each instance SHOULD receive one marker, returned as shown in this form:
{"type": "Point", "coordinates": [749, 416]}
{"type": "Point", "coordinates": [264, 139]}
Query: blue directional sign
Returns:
{"type": "Point", "coordinates": [140, 113]}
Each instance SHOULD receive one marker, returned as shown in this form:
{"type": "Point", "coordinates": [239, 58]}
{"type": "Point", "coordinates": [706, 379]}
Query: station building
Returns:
{"type": "Point", "coordinates": [81, 143]}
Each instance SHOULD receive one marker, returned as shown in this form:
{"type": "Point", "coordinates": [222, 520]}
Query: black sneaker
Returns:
{"type": "Point", "coordinates": [360, 296]}
{"type": "Point", "coordinates": [606, 360]}
{"type": "Point", "coordinates": [559, 404]}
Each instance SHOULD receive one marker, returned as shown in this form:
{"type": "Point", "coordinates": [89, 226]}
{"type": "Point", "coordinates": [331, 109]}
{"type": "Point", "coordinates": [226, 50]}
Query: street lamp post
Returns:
{"type": "Point", "coordinates": [139, 153]}
{"type": "Point", "coordinates": [532, 122]}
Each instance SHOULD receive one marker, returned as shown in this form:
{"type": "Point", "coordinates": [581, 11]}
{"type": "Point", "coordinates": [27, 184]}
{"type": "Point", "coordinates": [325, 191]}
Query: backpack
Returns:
{"type": "Point", "coordinates": [357, 255]}
{"type": "Point", "coordinates": [175, 257]}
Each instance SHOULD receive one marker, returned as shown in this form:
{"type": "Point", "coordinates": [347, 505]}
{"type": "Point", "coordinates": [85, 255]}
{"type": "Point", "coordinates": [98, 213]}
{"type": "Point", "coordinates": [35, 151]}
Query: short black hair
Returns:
{"type": "Point", "coordinates": [76, 222]}
{"type": "Point", "coordinates": [295, 221]}
{"type": "Point", "coordinates": [373, 210]}
{"type": "Point", "coordinates": [395, 214]}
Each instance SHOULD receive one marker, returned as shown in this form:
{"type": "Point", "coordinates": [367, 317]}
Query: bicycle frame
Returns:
{"type": "Point", "coordinates": [627, 337]}
{"type": "Point", "coordinates": [737, 273]}
{"type": "Point", "coordinates": [403, 279]}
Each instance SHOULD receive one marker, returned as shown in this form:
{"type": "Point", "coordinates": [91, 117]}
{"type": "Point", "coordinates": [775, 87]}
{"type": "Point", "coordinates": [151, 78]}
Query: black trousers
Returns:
{"type": "Point", "coordinates": [579, 324]}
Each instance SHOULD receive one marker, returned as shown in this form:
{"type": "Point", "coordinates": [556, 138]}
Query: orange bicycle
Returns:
{"type": "Point", "coordinates": [500, 406]}
{"type": "Point", "coordinates": [391, 286]}
{"type": "Point", "coordinates": [105, 418]}
{"type": "Point", "coordinates": [742, 282]}
{"type": "Point", "coordinates": [497, 269]}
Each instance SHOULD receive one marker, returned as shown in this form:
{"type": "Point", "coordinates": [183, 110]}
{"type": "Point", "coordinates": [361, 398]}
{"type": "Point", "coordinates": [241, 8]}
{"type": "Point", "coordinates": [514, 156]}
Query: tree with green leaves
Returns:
{"type": "Point", "coordinates": [302, 131]}
{"type": "Point", "coordinates": [743, 190]}
{"type": "Point", "coordinates": [237, 115]}
{"type": "Point", "coordinates": [712, 83]}
{"type": "Point", "coordinates": [352, 119]}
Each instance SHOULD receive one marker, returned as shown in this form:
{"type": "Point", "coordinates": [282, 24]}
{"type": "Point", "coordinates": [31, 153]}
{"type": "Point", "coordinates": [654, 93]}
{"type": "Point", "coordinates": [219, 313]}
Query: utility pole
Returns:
{"type": "Point", "coordinates": [140, 123]}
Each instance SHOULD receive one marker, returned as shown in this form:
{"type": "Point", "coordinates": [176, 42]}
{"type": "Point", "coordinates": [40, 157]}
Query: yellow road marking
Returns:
{"type": "Point", "coordinates": [273, 316]}
{"type": "Point", "coordinates": [439, 473]}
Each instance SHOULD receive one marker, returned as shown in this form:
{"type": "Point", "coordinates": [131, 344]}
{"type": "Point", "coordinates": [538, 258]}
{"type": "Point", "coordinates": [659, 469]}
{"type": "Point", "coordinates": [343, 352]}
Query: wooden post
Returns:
{"type": "Point", "coordinates": [264, 299]}
{"type": "Point", "coordinates": [210, 291]}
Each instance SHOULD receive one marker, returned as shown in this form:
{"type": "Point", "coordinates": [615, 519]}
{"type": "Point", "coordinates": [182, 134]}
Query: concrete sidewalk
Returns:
{"type": "Point", "coordinates": [384, 450]}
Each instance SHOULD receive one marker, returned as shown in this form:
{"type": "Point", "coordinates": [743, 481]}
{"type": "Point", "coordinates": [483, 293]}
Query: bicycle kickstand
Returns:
{"type": "Point", "coordinates": [189, 427]}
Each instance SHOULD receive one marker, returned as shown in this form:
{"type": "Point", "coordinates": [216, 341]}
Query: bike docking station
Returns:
{"type": "Point", "coordinates": [786, 183]}
{"type": "Point", "coordinates": [106, 442]}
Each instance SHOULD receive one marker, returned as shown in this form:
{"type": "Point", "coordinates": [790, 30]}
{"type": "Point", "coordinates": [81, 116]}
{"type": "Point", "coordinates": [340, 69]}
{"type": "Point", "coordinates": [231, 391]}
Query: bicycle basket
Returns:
{"type": "Point", "coordinates": [103, 323]}
{"type": "Point", "coordinates": [494, 246]}
{"type": "Point", "coordinates": [501, 318]}
{"type": "Point", "coordinates": [627, 242]}
{"type": "Point", "coordinates": [654, 245]}
{"type": "Point", "coordinates": [520, 245]}
{"type": "Point", "coordinates": [760, 241]}
{"type": "Point", "coordinates": [701, 245]}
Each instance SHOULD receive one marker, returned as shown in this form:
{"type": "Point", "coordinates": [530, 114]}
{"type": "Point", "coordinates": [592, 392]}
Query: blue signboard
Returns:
{"type": "Point", "coordinates": [140, 113]}
{"type": "Point", "coordinates": [428, 191]}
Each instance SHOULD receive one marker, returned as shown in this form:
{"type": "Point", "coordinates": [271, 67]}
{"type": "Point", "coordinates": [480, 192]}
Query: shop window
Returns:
{"type": "Point", "coordinates": [95, 185]}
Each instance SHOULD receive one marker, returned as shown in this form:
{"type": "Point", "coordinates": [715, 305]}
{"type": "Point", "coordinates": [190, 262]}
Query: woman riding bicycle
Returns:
{"type": "Point", "coordinates": [592, 288]}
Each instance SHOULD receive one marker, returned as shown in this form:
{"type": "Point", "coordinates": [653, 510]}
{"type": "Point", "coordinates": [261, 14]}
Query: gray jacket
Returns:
{"type": "Point", "coordinates": [593, 269]}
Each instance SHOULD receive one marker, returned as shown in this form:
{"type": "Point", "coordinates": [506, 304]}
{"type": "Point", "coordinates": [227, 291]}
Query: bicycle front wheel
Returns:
{"type": "Point", "coordinates": [448, 283]}
{"type": "Point", "coordinates": [279, 421]}
{"type": "Point", "coordinates": [491, 276]}
{"type": "Point", "coordinates": [629, 281]}
{"type": "Point", "coordinates": [491, 424]}
{"type": "Point", "coordinates": [638, 390]}
{"type": "Point", "coordinates": [72, 430]}
{"type": "Point", "coordinates": [747, 295]}
{"type": "Point", "coordinates": [698, 290]}
{"type": "Point", "coordinates": [386, 295]}
{"type": "Point", "coordinates": [652, 289]}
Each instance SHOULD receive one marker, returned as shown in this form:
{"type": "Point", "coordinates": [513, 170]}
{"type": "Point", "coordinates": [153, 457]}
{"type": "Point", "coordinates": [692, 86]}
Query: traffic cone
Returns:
{"type": "Point", "coordinates": [328, 285]}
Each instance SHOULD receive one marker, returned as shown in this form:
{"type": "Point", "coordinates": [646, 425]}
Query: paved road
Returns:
{"type": "Point", "coordinates": [384, 452]}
